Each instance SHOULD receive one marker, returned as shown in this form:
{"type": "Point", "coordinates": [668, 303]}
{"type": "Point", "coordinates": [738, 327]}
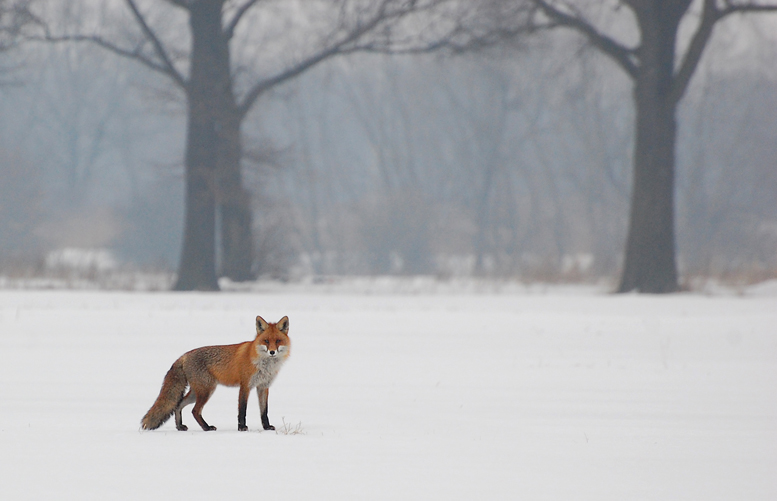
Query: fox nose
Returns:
{"type": "Point", "coordinates": [272, 353]}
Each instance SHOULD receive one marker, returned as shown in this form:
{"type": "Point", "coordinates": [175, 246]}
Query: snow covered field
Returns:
{"type": "Point", "coordinates": [556, 395]}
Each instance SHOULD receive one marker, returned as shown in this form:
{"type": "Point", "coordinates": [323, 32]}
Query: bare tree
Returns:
{"type": "Point", "coordinates": [216, 109]}
{"type": "Point", "coordinates": [367, 138]}
{"type": "Point", "coordinates": [661, 67]}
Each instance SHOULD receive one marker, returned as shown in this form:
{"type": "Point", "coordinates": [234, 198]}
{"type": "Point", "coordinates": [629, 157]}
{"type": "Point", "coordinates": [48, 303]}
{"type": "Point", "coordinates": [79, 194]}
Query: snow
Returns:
{"type": "Point", "coordinates": [514, 395]}
{"type": "Point", "coordinates": [77, 259]}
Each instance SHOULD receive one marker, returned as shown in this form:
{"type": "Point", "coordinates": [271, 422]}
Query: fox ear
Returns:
{"type": "Point", "coordinates": [261, 325]}
{"type": "Point", "coordinates": [283, 325]}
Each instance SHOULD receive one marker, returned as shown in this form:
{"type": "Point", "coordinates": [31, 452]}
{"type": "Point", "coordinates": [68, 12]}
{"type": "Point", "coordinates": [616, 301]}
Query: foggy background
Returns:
{"type": "Point", "coordinates": [510, 162]}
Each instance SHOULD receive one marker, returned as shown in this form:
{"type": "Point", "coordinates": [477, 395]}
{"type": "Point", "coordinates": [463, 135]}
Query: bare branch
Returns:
{"type": "Point", "coordinates": [459, 40]}
{"type": "Point", "coordinates": [711, 14]}
{"type": "Point", "coordinates": [382, 15]}
{"type": "Point", "coordinates": [622, 55]}
{"type": "Point", "coordinates": [480, 25]}
{"type": "Point", "coordinates": [135, 55]}
{"type": "Point", "coordinates": [260, 87]}
{"type": "Point", "coordinates": [184, 4]}
{"type": "Point", "coordinates": [170, 69]}
{"type": "Point", "coordinates": [241, 11]}
{"type": "Point", "coordinates": [377, 33]}
{"type": "Point", "coordinates": [734, 8]}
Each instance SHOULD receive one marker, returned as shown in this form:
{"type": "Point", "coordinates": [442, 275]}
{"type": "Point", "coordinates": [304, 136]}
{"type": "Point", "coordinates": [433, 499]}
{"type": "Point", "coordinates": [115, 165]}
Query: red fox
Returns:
{"type": "Point", "coordinates": [252, 364]}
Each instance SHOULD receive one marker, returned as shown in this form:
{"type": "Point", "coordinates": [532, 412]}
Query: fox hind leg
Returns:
{"type": "Point", "coordinates": [202, 396]}
{"type": "Point", "coordinates": [188, 399]}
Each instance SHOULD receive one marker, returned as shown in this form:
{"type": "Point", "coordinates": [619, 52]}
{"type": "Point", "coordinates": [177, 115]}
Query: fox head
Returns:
{"type": "Point", "coordinates": [272, 340]}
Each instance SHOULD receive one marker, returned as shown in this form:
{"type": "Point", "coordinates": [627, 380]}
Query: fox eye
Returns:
{"type": "Point", "coordinates": [267, 342]}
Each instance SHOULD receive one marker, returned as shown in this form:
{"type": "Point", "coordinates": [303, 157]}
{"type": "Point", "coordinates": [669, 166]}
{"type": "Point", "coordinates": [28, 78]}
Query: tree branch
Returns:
{"type": "Point", "coordinates": [260, 87]}
{"type": "Point", "coordinates": [622, 55]}
{"type": "Point", "coordinates": [184, 4]}
{"type": "Point", "coordinates": [486, 25]}
{"type": "Point", "coordinates": [711, 14]}
{"type": "Point", "coordinates": [170, 69]}
{"type": "Point", "coordinates": [165, 67]}
{"type": "Point", "coordinates": [733, 8]}
{"type": "Point", "coordinates": [340, 47]}
{"type": "Point", "coordinates": [135, 55]}
{"type": "Point", "coordinates": [458, 41]}
{"type": "Point", "coordinates": [241, 11]}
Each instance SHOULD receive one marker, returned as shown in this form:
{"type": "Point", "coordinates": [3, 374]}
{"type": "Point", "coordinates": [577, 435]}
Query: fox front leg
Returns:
{"type": "Point", "coordinates": [263, 393]}
{"type": "Point", "coordinates": [242, 405]}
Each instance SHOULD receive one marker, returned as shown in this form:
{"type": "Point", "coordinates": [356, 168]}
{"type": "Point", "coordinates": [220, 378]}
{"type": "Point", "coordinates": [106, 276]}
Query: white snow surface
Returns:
{"type": "Point", "coordinates": [536, 396]}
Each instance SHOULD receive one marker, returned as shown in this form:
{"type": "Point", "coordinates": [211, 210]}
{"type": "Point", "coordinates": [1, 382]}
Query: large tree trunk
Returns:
{"type": "Point", "coordinates": [650, 247]}
{"type": "Point", "coordinates": [197, 269]}
{"type": "Point", "coordinates": [234, 202]}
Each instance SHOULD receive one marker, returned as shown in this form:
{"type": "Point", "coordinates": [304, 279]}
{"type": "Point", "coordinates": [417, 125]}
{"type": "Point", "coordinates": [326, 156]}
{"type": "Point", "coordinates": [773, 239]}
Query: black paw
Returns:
{"type": "Point", "coordinates": [210, 428]}
{"type": "Point", "coordinates": [183, 427]}
{"type": "Point", "coordinates": [242, 427]}
{"type": "Point", "coordinates": [269, 427]}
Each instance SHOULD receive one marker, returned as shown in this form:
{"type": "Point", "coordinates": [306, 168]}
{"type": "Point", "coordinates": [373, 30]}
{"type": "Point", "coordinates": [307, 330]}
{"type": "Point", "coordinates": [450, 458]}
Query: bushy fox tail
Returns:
{"type": "Point", "coordinates": [170, 396]}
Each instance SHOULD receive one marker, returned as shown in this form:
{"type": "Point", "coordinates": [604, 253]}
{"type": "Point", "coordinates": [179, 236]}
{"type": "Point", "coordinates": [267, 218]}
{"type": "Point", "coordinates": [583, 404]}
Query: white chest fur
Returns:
{"type": "Point", "coordinates": [266, 369]}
